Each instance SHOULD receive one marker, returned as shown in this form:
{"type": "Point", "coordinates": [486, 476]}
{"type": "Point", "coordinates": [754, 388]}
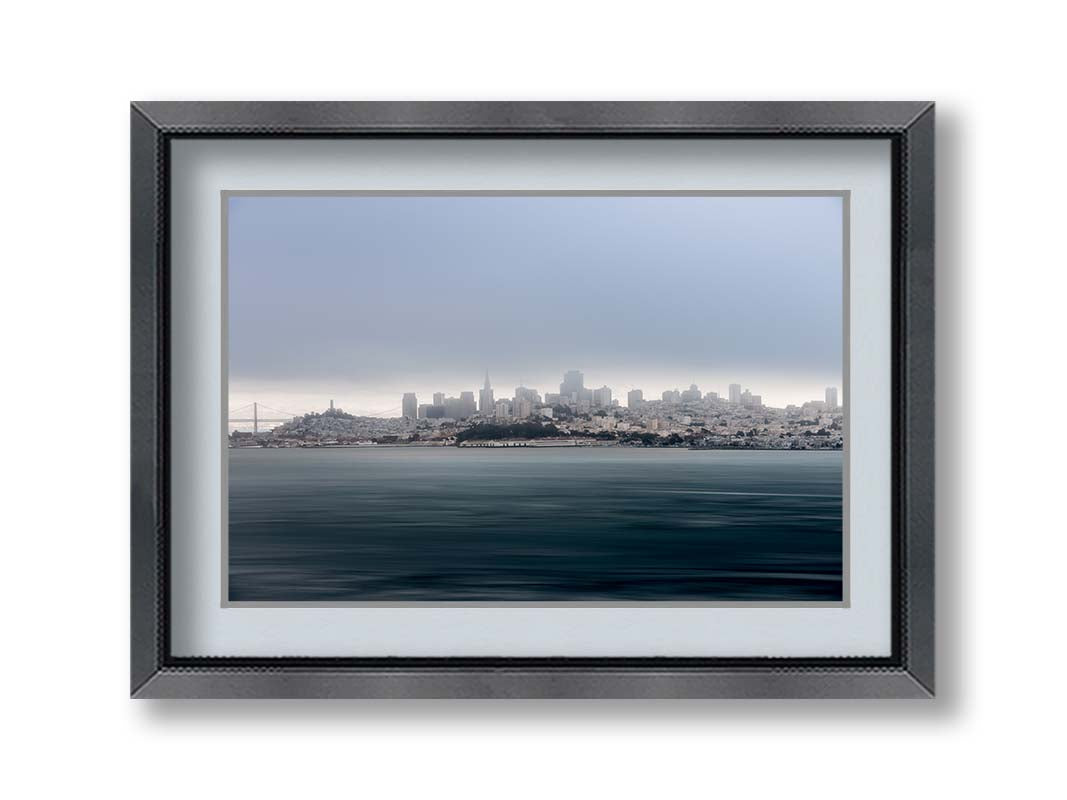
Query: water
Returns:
{"type": "Point", "coordinates": [525, 524]}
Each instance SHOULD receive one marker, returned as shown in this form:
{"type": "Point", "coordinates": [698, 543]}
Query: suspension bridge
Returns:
{"type": "Point", "coordinates": [256, 419]}
{"type": "Point", "coordinates": [275, 416]}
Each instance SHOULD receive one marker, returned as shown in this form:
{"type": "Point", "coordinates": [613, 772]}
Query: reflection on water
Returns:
{"type": "Point", "coordinates": [575, 524]}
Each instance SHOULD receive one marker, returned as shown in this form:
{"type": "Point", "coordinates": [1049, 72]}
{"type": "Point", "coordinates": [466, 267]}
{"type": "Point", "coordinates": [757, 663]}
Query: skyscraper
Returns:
{"type": "Point", "coordinates": [602, 397]}
{"type": "Point", "coordinates": [410, 405]}
{"type": "Point", "coordinates": [530, 394]}
{"type": "Point", "coordinates": [634, 398]}
{"type": "Point", "coordinates": [735, 393]}
{"type": "Point", "coordinates": [831, 397]}
{"type": "Point", "coordinates": [467, 405]}
{"type": "Point", "coordinates": [485, 397]}
{"type": "Point", "coordinates": [521, 408]}
{"type": "Point", "coordinates": [460, 407]}
{"type": "Point", "coordinates": [438, 398]}
{"type": "Point", "coordinates": [573, 383]}
{"type": "Point", "coordinates": [691, 394]}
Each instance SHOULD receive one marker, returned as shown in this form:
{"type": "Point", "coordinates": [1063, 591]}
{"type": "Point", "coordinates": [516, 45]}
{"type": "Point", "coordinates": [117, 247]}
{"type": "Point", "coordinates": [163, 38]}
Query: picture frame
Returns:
{"type": "Point", "coordinates": [908, 672]}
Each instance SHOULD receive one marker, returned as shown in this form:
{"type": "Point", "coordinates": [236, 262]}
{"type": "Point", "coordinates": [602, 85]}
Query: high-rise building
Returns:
{"type": "Point", "coordinates": [711, 396]}
{"type": "Point", "coordinates": [831, 397]}
{"type": "Point", "coordinates": [671, 396]}
{"type": "Point", "coordinates": [502, 409]}
{"type": "Point", "coordinates": [573, 383]}
{"type": "Point", "coordinates": [735, 393]}
{"type": "Point", "coordinates": [460, 407]}
{"type": "Point", "coordinates": [691, 394]}
{"type": "Point", "coordinates": [521, 408]}
{"type": "Point", "coordinates": [634, 398]}
{"type": "Point", "coordinates": [529, 394]}
{"type": "Point", "coordinates": [749, 400]}
{"type": "Point", "coordinates": [467, 404]}
{"type": "Point", "coordinates": [602, 397]}
{"type": "Point", "coordinates": [485, 397]}
{"type": "Point", "coordinates": [438, 398]}
{"type": "Point", "coordinates": [409, 406]}
{"type": "Point", "coordinates": [453, 408]}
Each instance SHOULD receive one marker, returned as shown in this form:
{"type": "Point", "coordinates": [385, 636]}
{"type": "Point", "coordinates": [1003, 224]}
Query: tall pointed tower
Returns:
{"type": "Point", "coordinates": [485, 397]}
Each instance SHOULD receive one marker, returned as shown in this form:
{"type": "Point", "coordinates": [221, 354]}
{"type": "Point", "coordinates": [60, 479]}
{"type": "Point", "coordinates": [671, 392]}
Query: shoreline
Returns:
{"type": "Point", "coordinates": [526, 446]}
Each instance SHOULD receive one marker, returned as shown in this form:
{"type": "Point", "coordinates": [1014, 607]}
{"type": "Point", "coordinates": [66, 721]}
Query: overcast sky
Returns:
{"type": "Point", "coordinates": [362, 298]}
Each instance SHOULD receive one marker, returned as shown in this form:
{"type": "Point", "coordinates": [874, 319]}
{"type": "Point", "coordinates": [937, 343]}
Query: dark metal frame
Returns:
{"type": "Point", "coordinates": [909, 670]}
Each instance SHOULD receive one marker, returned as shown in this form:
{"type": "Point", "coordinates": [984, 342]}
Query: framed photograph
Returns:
{"type": "Point", "coordinates": [590, 400]}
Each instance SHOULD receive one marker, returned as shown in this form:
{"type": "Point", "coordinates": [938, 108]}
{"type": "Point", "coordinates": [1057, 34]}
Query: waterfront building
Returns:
{"type": "Point", "coordinates": [409, 406]}
{"type": "Point", "coordinates": [634, 398]}
{"type": "Point", "coordinates": [831, 397]}
{"type": "Point", "coordinates": [735, 393]}
{"type": "Point", "coordinates": [605, 423]}
{"type": "Point", "coordinates": [485, 397]}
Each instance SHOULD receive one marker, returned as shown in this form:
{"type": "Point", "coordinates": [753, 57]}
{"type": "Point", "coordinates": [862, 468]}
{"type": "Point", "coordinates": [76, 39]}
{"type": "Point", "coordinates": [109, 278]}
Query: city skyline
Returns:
{"type": "Point", "coordinates": [574, 414]}
{"type": "Point", "coordinates": [387, 403]}
{"type": "Point", "coordinates": [361, 299]}
{"type": "Point", "coordinates": [574, 392]}
{"type": "Point", "coordinates": [494, 392]}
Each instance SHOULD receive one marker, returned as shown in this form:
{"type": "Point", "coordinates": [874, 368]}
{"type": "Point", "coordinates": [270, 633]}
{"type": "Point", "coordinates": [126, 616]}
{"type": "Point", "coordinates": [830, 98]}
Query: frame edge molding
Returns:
{"type": "Point", "coordinates": [918, 388]}
{"type": "Point", "coordinates": [909, 124]}
{"type": "Point", "coordinates": [147, 364]}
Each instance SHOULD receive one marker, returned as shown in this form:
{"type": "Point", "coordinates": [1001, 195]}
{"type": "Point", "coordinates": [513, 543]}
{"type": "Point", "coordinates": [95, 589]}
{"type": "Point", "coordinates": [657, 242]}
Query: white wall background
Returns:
{"type": "Point", "coordinates": [69, 70]}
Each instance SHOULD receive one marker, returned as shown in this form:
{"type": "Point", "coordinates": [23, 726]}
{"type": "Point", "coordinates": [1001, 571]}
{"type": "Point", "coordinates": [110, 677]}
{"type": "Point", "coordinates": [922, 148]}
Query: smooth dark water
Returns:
{"type": "Point", "coordinates": [527, 524]}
